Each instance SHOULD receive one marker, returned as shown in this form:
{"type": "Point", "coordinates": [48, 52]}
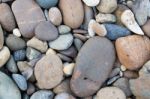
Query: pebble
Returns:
{"type": "Point", "coordinates": [115, 31]}
{"type": "Point", "coordinates": [64, 58]}
{"type": "Point", "coordinates": [68, 69]}
{"type": "Point", "coordinates": [46, 14]}
{"type": "Point", "coordinates": [37, 44]}
{"type": "Point", "coordinates": [133, 51]}
{"type": "Point", "coordinates": [90, 28]}
{"type": "Point", "coordinates": [64, 96]}
{"type": "Point", "coordinates": [1, 38]}
{"type": "Point", "coordinates": [110, 93]}
{"type": "Point", "coordinates": [31, 89]}
{"type": "Point", "coordinates": [123, 68]}
{"type": "Point", "coordinates": [141, 11]}
{"type": "Point", "coordinates": [107, 6]}
{"type": "Point", "coordinates": [112, 80]}
{"type": "Point", "coordinates": [23, 65]}
{"type": "Point", "coordinates": [130, 74]}
{"type": "Point", "coordinates": [64, 86]}
{"type": "Point", "coordinates": [11, 65]}
{"type": "Point", "coordinates": [146, 28]}
{"type": "Point", "coordinates": [63, 42]}
{"type": "Point", "coordinates": [50, 51]}
{"type": "Point", "coordinates": [16, 32]}
{"type": "Point", "coordinates": [26, 18]}
{"type": "Point", "coordinates": [8, 89]}
{"type": "Point", "coordinates": [28, 74]}
{"type": "Point", "coordinates": [42, 94]}
{"type": "Point", "coordinates": [81, 37]}
{"type": "Point", "coordinates": [51, 71]}
{"type": "Point", "coordinates": [145, 69]}
{"type": "Point", "coordinates": [123, 84]}
{"type": "Point", "coordinates": [15, 43]}
{"type": "Point", "coordinates": [79, 31]}
{"type": "Point", "coordinates": [47, 3]}
{"type": "Point", "coordinates": [114, 72]}
{"type": "Point", "coordinates": [127, 18]}
{"type": "Point", "coordinates": [78, 43]}
{"type": "Point", "coordinates": [103, 18]}
{"type": "Point", "coordinates": [72, 12]}
{"type": "Point", "coordinates": [4, 56]}
{"type": "Point", "coordinates": [46, 31]}
{"type": "Point", "coordinates": [88, 15]}
{"type": "Point", "coordinates": [64, 29]}
{"type": "Point", "coordinates": [86, 71]}
{"type": "Point", "coordinates": [91, 3]}
{"type": "Point", "coordinates": [20, 81]}
{"type": "Point", "coordinates": [32, 53]}
{"type": "Point", "coordinates": [70, 52]}
{"type": "Point", "coordinates": [7, 18]}
{"type": "Point", "coordinates": [19, 55]}
{"type": "Point", "coordinates": [55, 16]}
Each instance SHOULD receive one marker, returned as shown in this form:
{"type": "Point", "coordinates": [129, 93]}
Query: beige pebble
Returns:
{"type": "Point", "coordinates": [50, 51]}
{"type": "Point", "coordinates": [102, 18]}
{"type": "Point", "coordinates": [68, 69]}
{"type": "Point", "coordinates": [123, 68]}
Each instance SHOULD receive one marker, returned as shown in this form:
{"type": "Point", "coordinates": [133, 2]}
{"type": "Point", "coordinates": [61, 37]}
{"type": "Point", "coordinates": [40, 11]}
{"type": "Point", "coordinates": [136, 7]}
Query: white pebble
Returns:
{"type": "Point", "coordinates": [123, 68]}
{"type": "Point", "coordinates": [91, 3]}
{"type": "Point", "coordinates": [68, 69]}
{"type": "Point", "coordinates": [16, 32]}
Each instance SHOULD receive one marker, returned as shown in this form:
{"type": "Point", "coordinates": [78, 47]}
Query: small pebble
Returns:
{"type": "Point", "coordinates": [16, 32]}
{"type": "Point", "coordinates": [19, 55]}
{"type": "Point", "coordinates": [68, 69]}
{"type": "Point", "coordinates": [123, 68]}
{"type": "Point", "coordinates": [63, 29]}
{"type": "Point", "coordinates": [20, 81]}
{"type": "Point", "coordinates": [78, 43]}
{"type": "Point", "coordinates": [50, 51]}
{"type": "Point", "coordinates": [91, 3]}
{"type": "Point", "coordinates": [32, 53]}
{"type": "Point", "coordinates": [103, 18]}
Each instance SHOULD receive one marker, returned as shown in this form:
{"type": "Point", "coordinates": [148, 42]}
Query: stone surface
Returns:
{"type": "Point", "coordinates": [15, 43]}
{"type": "Point", "coordinates": [63, 42]}
{"type": "Point", "coordinates": [141, 10]}
{"type": "Point", "coordinates": [38, 44]}
{"type": "Point", "coordinates": [11, 65]}
{"type": "Point", "coordinates": [146, 28]}
{"type": "Point", "coordinates": [123, 84]}
{"type": "Point", "coordinates": [72, 12]}
{"type": "Point", "coordinates": [4, 56]}
{"type": "Point", "coordinates": [103, 18]}
{"type": "Point", "coordinates": [91, 3]}
{"type": "Point", "coordinates": [20, 81]}
{"type": "Point", "coordinates": [46, 31]}
{"type": "Point", "coordinates": [1, 38]}
{"type": "Point", "coordinates": [115, 31]}
{"type": "Point", "coordinates": [47, 3]}
{"type": "Point", "coordinates": [110, 93]}
{"type": "Point", "coordinates": [42, 94]}
{"type": "Point", "coordinates": [63, 29]}
{"type": "Point", "coordinates": [28, 15]}
{"type": "Point", "coordinates": [64, 96]}
{"type": "Point", "coordinates": [86, 71]}
{"type": "Point", "coordinates": [107, 6]}
{"type": "Point", "coordinates": [55, 16]}
{"type": "Point", "coordinates": [7, 19]}
{"type": "Point", "coordinates": [19, 55]}
{"type": "Point", "coordinates": [8, 89]}
{"type": "Point", "coordinates": [133, 51]}
{"type": "Point", "coordinates": [50, 67]}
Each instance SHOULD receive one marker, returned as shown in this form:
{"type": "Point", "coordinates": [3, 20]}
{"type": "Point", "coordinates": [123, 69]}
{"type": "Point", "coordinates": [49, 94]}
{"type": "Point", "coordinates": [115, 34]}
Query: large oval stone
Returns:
{"type": "Point", "coordinates": [48, 71]}
{"type": "Point", "coordinates": [8, 89]}
{"type": "Point", "coordinates": [93, 66]}
{"type": "Point", "coordinates": [72, 11]}
{"type": "Point", "coordinates": [28, 14]}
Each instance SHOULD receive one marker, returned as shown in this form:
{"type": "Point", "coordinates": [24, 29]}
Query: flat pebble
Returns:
{"type": "Point", "coordinates": [20, 81]}
{"type": "Point", "coordinates": [103, 18]}
{"type": "Point", "coordinates": [15, 43]}
{"type": "Point", "coordinates": [46, 31]}
{"type": "Point", "coordinates": [63, 42]}
{"type": "Point", "coordinates": [8, 89]}
{"type": "Point", "coordinates": [91, 3]}
{"type": "Point", "coordinates": [1, 37]}
{"type": "Point", "coordinates": [47, 3]}
{"type": "Point", "coordinates": [38, 44]}
{"type": "Point", "coordinates": [72, 17]}
{"type": "Point", "coordinates": [110, 93]}
{"type": "Point", "coordinates": [32, 53]}
{"type": "Point", "coordinates": [42, 94]}
{"type": "Point", "coordinates": [19, 55]}
{"type": "Point", "coordinates": [51, 71]}
{"type": "Point", "coordinates": [55, 16]}
{"type": "Point", "coordinates": [115, 31]}
{"type": "Point", "coordinates": [133, 51]}
{"type": "Point", "coordinates": [26, 18]}
{"type": "Point", "coordinates": [7, 20]}
{"type": "Point", "coordinates": [86, 71]}
{"type": "Point", "coordinates": [11, 65]}
{"type": "Point", "coordinates": [63, 29]}
{"type": "Point", "coordinates": [5, 55]}
{"type": "Point", "coordinates": [107, 6]}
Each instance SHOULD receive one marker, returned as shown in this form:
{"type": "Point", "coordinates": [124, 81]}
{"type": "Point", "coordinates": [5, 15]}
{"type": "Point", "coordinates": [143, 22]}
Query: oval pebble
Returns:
{"type": "Point", "coordinates": [20, 81]}
{"type": "Point", "coordinates": [19, 55]}
{"type": "Point", "coordinates": [47, 3]}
